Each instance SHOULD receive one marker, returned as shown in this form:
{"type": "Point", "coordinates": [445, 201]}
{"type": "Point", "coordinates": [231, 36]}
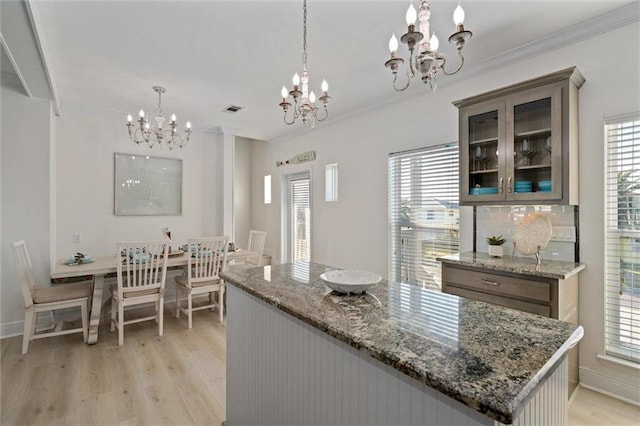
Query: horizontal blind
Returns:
{"type": "Point", "coordinates": [622, 269]}
{"type": "Point", "coordinates": [423, 212]}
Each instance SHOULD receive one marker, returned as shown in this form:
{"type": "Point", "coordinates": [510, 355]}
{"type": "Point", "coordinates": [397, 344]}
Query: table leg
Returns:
{"type": "Point", "coordinates": [96, 306]}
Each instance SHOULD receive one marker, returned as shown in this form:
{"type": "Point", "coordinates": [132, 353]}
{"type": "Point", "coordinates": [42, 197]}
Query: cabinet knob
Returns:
{"type": "Point", "coordinates": [509, 185]}
{"type": "Point", "coordinates": [493, 283]}
{"type": "Point", "coordinates": [500, 187]}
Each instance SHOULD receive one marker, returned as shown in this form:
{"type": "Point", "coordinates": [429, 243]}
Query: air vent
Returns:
{"type": "Point", "coordinates": [233, 109]}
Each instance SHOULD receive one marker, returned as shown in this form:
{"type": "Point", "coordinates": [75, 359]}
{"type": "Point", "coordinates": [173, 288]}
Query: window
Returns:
{"type": "Point", "coordinates": [622, 234]}
{"type": "Point", "coordinates": [298, 238]}
{"type": "Point", "coordinates": [267, 189]}
{"type": "Point", "coordinates": [423, 212]}
{"type": "Point", "coordinates": [331, 182]}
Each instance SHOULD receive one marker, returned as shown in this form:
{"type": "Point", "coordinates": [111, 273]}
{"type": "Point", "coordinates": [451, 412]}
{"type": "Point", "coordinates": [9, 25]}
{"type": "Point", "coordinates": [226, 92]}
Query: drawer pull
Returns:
{"type": "Point", "coordinates": [487, 282]}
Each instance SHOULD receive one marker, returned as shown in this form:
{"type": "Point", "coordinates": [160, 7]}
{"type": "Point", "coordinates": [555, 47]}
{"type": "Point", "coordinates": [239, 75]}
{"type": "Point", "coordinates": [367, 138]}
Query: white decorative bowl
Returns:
{"type": "Point", "coordinates": [350, 280]}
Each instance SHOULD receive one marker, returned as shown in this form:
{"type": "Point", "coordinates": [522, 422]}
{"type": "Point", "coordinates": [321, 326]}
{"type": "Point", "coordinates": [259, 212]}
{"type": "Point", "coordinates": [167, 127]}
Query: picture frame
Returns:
{"type": "Point", "coordinates": [147, 185]}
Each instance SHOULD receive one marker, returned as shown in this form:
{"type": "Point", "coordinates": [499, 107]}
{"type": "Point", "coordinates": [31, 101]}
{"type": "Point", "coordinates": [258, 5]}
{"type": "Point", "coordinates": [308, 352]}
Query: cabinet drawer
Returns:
{"type": "Point", "coordinates": [501, 285]}
{"type": "Point", "coordinates": [520, 305]}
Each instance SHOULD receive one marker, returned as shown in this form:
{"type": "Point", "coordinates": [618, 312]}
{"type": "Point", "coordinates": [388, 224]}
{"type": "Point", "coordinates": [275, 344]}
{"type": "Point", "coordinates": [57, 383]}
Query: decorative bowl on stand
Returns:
{"type": "Point", "coordinates": [350, 280]}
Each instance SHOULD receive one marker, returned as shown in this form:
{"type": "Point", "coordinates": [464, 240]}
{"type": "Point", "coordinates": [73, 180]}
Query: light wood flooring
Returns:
{"type": "Point", "coordinates": [177, 379]}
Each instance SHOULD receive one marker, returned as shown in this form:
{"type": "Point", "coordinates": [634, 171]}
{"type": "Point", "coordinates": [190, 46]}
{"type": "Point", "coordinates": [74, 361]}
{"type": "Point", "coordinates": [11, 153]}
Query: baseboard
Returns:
{"type": "Point", "coordinates": [16, 328]}
{"type": "Point", "coordinates": [615, 388]}
{"type": "Point", "coordinates": [11, 329]}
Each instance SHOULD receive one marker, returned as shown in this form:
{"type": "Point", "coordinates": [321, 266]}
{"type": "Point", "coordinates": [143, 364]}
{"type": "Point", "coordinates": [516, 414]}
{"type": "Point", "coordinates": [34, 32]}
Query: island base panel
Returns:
{"type": "Point", "coordinates": [281, 370]}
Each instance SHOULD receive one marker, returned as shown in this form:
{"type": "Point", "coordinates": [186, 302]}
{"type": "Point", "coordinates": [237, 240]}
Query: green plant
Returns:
{"type": "Point", "coordinates": [495, 240]}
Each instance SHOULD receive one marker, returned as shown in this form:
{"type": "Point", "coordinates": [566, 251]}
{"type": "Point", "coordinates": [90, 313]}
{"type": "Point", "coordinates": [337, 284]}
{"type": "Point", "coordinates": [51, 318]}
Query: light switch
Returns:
{"type": "Point", "coordinates": [76, 237]}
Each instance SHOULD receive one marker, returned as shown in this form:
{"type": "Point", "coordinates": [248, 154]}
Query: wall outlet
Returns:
{"type": "Point", "coordinates": [76, 237]}
{"type": "Point", "coordinates": [565, 234]}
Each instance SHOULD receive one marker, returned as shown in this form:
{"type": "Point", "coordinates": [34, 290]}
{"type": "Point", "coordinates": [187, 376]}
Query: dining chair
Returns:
{"type": "Point", "coordinates": [141, 275]}
{"type": "Point", "coordinates": [48, 299]}
{"type": "Point", "coordinates": [255, 245]}
{"type": "Point", "coordinates": [207, 258]}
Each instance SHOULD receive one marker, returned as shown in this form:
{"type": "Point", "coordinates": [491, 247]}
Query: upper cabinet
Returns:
{"type": "Point", "coordinates": [519, 144]}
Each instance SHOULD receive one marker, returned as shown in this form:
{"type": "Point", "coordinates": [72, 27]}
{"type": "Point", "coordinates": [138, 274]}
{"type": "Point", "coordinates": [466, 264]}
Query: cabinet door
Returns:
{"type": "Point", "coordinates": [482, 159]}
{"type": "Point", "coordinates": [533, 145]}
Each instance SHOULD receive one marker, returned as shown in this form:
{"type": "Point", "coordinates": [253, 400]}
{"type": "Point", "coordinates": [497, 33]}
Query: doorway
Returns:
{"type": "Point", "coordinates": [297, 219]}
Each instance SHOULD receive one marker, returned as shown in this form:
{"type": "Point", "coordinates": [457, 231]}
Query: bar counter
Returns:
{"type": "Point", "coordinates": [486, 358]}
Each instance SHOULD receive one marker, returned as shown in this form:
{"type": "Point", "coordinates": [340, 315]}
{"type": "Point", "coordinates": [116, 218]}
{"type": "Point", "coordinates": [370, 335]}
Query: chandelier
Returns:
{"type": "Point", "coordinates": [304, 102]}
{"type": "Point", "coordinates": [427, 61]}
{"type": "Point", "coordinates": [157, 132]}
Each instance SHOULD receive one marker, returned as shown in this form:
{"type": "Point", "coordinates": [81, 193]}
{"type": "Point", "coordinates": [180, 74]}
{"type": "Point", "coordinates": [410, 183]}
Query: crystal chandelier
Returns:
{"type": "Point", "coordinates": [157, 132]}
{"type": "Point", "coordinates": [427, 60]}
{"type": "Point", "coordinates": [304, 102]}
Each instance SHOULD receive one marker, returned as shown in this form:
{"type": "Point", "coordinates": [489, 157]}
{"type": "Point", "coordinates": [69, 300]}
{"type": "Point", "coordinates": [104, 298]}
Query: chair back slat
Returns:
{"type": "Point", "coordinates": [142, 265]}
{"type": "Point", "coordinates": [208, 257]}
{"type": "Point", "coordinates": [25, 270]}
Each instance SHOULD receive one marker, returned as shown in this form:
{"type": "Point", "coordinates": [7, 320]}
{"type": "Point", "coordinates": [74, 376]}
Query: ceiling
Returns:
{"type": "Point", "coordinates": [107, 55]}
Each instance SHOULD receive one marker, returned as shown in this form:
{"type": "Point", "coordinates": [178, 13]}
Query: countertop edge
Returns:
{"type": "Point", "coordinates": [546, 370]}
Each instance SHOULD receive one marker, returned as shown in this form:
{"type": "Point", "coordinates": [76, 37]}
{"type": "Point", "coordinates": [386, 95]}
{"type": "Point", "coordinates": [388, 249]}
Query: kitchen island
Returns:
{"type": "Point", "coordinates": [298, 353]}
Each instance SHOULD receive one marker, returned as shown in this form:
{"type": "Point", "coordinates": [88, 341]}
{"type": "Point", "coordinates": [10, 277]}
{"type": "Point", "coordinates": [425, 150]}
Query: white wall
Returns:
{"type": "Point", "coordinates": [86, 143]}
{"type": "Point", "coordinates": [24, 192]}
{"type": "Point", "coordinates": [352, 233]}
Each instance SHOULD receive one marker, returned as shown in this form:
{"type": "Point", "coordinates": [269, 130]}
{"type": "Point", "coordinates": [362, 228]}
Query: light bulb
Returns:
{"type": "Point", "coordinates": [296, 79]}
{"type": "Point", "coordinates": [434, 43]}
{"type": "Point", "coordinates": [146, 126]}
{"type": "Point", "coordinates": [411, 15]}
{"type": "Point", "coordinates": [312, 97]}
{"type": "Point", "coordinates": [284, 92]}
{"type": "Point", "coordinates": [129, 118]}
{"type": "Point", "coordinates": [188, 124]}
{"type": "Point", "coordinates": [458, 15]}
{"type": "Point", "coordinates": [324, 86]}
{"type": "Point", "coordinates": [393, 44]}
{"type": "Point", "coordinates": [173, 117]}
{"type": "Point", "coordinates": [141, 114]}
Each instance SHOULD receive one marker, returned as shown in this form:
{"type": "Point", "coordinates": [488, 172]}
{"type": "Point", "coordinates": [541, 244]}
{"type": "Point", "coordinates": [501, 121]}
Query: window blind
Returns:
{"type": "Point", "coordinates": [622, 234]}
{"type": "Point", "coordinates": [300, 219]}
{"type": "Point", "coordinates": [423, 212]}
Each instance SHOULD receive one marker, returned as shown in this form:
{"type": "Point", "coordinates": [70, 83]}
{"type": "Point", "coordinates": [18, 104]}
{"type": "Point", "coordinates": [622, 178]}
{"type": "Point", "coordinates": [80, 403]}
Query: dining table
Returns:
{"type": "Point", "coordinates": [104, 265]}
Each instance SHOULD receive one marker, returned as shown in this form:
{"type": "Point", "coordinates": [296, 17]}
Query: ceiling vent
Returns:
{"type": "Point", "coordinates": [232, 109]}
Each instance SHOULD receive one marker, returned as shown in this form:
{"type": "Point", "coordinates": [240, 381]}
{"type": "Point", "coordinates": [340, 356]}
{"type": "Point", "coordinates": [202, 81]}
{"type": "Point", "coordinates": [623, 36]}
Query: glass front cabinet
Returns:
{"type": "Point", "coordinates": [518, 145]}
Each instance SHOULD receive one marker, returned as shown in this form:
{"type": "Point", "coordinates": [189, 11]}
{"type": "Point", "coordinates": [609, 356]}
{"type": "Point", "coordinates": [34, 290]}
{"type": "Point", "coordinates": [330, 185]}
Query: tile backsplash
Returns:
{"type": "Point", "coordinates": [504, 220]}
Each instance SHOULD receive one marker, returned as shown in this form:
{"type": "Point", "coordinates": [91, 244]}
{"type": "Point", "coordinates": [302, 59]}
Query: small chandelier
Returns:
{"type": "Point", "coordinates": [304, 102]}
{"type": "Point", "coordinates": [427, 60]}
{"type": "Point", "coordinates": [157, 133]}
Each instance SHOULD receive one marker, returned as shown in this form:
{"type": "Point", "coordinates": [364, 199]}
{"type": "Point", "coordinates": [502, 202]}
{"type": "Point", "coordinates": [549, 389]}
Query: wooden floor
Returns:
{"type": "Point", "coordinates": [177, 379]}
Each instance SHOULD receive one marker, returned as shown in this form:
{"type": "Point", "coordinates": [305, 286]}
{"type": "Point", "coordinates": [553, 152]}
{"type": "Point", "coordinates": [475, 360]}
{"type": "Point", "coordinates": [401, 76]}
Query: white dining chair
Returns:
{"type": "Point", "coordinates": [207, 258]}
{"type": "Point", "coordinates": [255, 246]}
{"type": "Point", "coordinates": [47, 299]}
{"type": "Point", "coordinates": [141, 276]}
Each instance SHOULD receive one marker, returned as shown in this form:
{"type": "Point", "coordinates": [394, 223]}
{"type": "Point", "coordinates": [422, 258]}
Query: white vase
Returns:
{"type": "Point", "coordinates": [496, 251]}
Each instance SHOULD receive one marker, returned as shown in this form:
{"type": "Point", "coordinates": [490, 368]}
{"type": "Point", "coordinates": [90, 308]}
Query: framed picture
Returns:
{"type": "Point", "coordinates": [146, 185]}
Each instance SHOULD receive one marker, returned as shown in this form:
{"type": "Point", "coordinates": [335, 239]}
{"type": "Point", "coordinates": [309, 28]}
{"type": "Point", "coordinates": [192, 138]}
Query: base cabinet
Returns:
{"type": "Point", "coordinates": [553, 298]}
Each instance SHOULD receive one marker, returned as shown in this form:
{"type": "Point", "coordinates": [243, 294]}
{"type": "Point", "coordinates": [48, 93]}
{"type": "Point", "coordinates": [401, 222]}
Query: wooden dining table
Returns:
{"type": "Point", "coordinates": [101, 266]}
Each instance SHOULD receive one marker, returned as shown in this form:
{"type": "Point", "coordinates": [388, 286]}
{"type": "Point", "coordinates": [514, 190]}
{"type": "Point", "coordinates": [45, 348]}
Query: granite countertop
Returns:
{"type": "Point", "coordinates": [513, 264]}
{"type": "Point", "coordinates": [487, 357]}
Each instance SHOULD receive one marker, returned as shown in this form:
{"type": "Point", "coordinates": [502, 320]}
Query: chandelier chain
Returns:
{"type": "Point", "coordinates": [304, 35]}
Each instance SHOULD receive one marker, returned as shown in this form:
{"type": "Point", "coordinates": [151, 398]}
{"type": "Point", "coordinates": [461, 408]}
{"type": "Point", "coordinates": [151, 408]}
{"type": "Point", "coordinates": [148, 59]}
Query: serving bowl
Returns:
{"type": "Point", "coordinates": [350, 280]}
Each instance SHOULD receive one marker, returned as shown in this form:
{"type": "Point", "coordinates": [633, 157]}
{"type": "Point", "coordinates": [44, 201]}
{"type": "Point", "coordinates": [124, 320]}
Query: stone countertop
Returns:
{"type": "Point", "coordinates": [513, 264]}
{"type": "Point", "coordinates": [487, 357]}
